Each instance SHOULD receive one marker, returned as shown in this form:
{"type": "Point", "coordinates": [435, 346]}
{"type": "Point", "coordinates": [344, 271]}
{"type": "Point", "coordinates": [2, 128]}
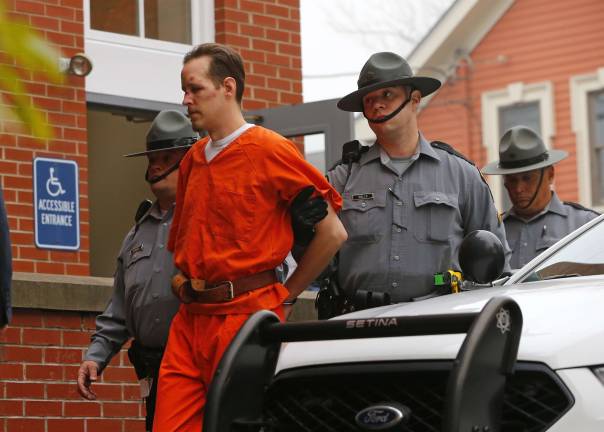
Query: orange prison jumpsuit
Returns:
{"type": "Point", "coordinates": [231, 220]}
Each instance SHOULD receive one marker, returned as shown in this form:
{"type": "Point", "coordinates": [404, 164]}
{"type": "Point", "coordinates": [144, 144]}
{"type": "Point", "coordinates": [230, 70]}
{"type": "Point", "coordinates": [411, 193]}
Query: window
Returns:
{"type": "Point", "coordinates": [530, 105]}
{"type": "Point", "coordinates": [166, 20]}
{"type": "Point", "coordinates": [596, 127]}
{"type": "Point", "coordinates": [586, 108]}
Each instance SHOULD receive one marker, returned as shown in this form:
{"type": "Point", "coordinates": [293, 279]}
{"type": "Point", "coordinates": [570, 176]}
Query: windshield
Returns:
{"type": "Point", "coordinates": [583, 256]}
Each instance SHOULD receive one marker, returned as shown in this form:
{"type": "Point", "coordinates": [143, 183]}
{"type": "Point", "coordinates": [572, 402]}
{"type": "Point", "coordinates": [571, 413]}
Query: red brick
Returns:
{"type": "Point", "coordinates": [129, 409]}
{"type": "Point", "coordinates": [77, 269]}
{"type": "Point", "coordinates": [44, 23]}
{"type": "Point", "coordinates": [278, 35]}
{"type": "Point", "coordinates": [62, 391]}
{"type": "Point", "coordinates": [62, 319]}
{"type": "Point", "coordinates": [8, 140]}
{"type": "Point", "coordinates": [108, 392]}
{"type": "Point", "coordinates": [33, 253]}
{"type": "Point", "coordinates": [265, 69]}
{"type": "Point", "coordinates": [119, 374]}
{"type": "Point", "coordinates": [62, 355]}
{"type": "Point", "coordinates": [280, 60]}
{"type": "Point", "coordinates": [73, 338]}
{"type": "Point", "coordinates": [237, 41]}
{"type": "Point", "coordinates": [24, 390]}
{"type": "Point", "coordinates": [11, 335]}
{"type": "Point", "coordinates": [25, 196]}
{"type": "Point", "coordinates": [280, 84]}
{"type": "Point", "coordinates": [131, 392]}
{"type": "Point", "coordinates": [252, 6]}
{"type": "Point", "coordinates": [288, 49]}
{"type": "Point", "coordinates": [18, 155]}
{"type": "Point", "coordinates": [47, 103]}
{"type": "Point", "coordinates": [29, 7]}
{"type": "Point", "coordinates": [23, 266]}
{"type": "Point", "coordinates": [43, 408]}
{"type": "Point", "coordinates": [27, 318]}
{"type": "Point", "coordinates": [43, 372]}
{"type": "Point", "coordinates": [19, 238]}
{"type": "Point", "coordinates": [264, 21]}
{"type": "Point", "coordinates": [62, 425]}
{"type": "Point", "coordinates": [264, 45]}
{"type": "Point", "coordinates": [74, 107]}
{"type": "Point", "coordinates": [60, 12]}
{"type": "Point", "coordinates": [288, 24]}
{"type": "Point", "coordinates": [251, 104]}
{"type": "Point", "coordinates": [277, 10]}
{"type": "Point", "coordinates": [11, 408]}
{"type": "Point", "coordinates": [75, 134]}
{"type": "Point", "coordinates": [41, 337]}
{"type": "Point", "coordinates": [25, 425]}
{"type": "Point", "coordinates": [62, 119]}
{"type": "Point", "coordinates": [72, 27]}
{"type": "Point", "coordinates": [77, 4]}
{"type": "Point", "coordinates": [50, 268]}
{"type": "Point", "coordinates": [13, 353]}
{"type": "Point", "coordinates": [290, 98]}
{"type": "Point", "coordinates": [26, 224]}
{"type": "Point", "coordinates": [89, 321]}
{"type": "Point", "coordinates": [106, 425]}
{"type": "Point", "coordinates": [270, 95]}
{"type": "Point", "coordinates": [82, 409]}
{"type": "Point", "coordinates": [35, 88]}
{"type": "Point", "coordinates": [60, 92]}
{"type": "Point", "coordinates": [251, 56]}
{"type": "Point", "coordinates": [250, 30]}
{"type": "Point", "coordinates": [134, 425]}
{"type": "Point", "coordinates": [11, 371]}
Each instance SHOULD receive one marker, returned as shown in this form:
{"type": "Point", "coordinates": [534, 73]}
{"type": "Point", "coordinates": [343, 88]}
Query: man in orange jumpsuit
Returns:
{"type": "Point", "coordinates": [231, 229]}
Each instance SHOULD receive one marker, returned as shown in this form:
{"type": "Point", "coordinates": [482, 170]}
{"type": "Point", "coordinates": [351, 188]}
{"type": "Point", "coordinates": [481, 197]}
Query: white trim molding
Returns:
{"type": "Point", "coordinates": [580, 87]}
{"type": "Point", "coordinates": [514, 93]}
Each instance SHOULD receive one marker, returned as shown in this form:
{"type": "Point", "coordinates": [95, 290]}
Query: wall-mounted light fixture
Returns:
{"type": "Point", "coordinates": [78, 65]}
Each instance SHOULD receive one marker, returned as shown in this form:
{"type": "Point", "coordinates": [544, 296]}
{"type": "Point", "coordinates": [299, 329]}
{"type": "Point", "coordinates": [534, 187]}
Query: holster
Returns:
{"type": "Point", "coordinates": [331, 300]}
{"type": "Point", "coordinates": [146, 361]}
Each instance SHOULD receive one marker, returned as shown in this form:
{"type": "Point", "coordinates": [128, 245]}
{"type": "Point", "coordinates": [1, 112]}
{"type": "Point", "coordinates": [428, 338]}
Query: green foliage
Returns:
{"type": "Point", "coordinates": [28, 51]}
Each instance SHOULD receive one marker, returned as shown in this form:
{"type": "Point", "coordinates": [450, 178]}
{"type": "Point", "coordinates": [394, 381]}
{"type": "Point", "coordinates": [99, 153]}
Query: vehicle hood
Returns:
{"type": "Point", "coordinates": [563, 327]}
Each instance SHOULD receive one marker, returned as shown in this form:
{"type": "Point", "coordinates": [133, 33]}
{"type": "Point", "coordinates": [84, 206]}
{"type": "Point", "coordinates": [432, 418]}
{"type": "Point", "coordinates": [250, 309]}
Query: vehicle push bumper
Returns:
{"type": "Point", "coordinates": [475, 389]}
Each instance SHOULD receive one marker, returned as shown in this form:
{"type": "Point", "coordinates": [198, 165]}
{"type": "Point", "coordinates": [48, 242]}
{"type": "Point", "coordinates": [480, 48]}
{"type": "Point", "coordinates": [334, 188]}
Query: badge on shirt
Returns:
{"type": "Point", "coordinates": [135, 250]}
{"type": "Point", "coordinates": [362, 197]}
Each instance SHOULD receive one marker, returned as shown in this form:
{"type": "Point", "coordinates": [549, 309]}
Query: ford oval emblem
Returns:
{"type": "Point", "coordinates": [381, 417]}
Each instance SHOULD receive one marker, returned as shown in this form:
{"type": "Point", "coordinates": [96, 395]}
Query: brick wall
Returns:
{"type": "Point", "coordinates": [542, 41]}
{"type": "Point", "coordinates": [267, 35]}
{"type": "Point", "coordinates": [39, 358]}
{"type": "Point", "coordinates": [60, 22]}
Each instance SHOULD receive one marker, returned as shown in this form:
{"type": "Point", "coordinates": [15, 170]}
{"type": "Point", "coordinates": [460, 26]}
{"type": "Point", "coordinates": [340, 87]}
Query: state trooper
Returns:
{"type": "Point", "coordinates": [408, 202]}
{"type": "Point", "coordinates": [142, 304]}
{"type": "Point", "coordinates": [537, 218]}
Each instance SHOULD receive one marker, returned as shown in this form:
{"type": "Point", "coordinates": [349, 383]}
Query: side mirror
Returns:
{"type": "Point", "coordinates": [481, 257]}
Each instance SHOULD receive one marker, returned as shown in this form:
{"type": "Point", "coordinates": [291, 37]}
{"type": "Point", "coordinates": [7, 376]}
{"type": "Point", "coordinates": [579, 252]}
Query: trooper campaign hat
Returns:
{"type": "Point", "coordinates": [385, 69]}
{"type": "Point", "coordinates": [170, 130]}
{"type": "Point", "coordinates": [521, 149]}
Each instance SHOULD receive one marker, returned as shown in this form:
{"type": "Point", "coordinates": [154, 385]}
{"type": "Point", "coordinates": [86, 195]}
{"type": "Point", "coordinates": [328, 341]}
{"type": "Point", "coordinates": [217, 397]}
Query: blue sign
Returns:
{"type": "Point", "coordinates": [56, 204]}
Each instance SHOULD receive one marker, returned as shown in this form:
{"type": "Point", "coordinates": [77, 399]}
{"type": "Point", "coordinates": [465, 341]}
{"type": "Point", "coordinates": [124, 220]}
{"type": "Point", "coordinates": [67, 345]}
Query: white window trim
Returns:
{"type": "Point", "coordinates": [202, 30]}
{"type": "Point", "coordinates": [580, 87]}
{"type": "Point", "coordinates": [514, 93]}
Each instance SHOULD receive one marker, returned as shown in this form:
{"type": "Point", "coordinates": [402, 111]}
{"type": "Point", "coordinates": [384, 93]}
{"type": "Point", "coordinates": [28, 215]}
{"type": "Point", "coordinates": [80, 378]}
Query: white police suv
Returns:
{"type": "Point", "coordinates": [523, 355]}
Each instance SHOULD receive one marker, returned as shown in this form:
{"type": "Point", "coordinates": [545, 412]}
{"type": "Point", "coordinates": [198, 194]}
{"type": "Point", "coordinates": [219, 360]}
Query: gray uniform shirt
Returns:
{"type": "Point", "coordinates": [528, 238]}
{"type": "Point", "coordinates": [402, 229]}
{"type": "Point", "coordinates": [142, 305]}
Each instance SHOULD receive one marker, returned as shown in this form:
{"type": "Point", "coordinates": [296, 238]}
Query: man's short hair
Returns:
{"type": "Point", "coordinates": [224, 62]}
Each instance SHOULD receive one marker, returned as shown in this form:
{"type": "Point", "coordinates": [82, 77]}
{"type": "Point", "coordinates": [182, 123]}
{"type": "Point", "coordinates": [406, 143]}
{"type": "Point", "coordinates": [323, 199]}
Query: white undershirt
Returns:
{"type": "Point", "coordinates": [215, 147]}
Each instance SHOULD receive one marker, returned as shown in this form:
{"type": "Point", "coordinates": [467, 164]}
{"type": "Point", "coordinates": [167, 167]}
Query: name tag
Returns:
{"type": "Point", "coordinates": [362, 197]}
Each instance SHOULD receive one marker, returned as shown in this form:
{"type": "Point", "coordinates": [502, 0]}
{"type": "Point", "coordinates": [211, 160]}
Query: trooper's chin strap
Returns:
{"type": "Point", "coordinates": [152, 180]}
{"type": "Point", "coordinates": [392, 114]}
{"type": "Point", "coordinates": [536, 190]}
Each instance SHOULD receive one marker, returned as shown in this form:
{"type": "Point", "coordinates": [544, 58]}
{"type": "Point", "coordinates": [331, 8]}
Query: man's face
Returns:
{"type": "Point", "coordinates": [522, 186]}
{"type": "Point", "coordinates": [204, 101]}
{"type": "Point", "coordinates": [159, 163]}
{"type": "Point", "coordinates": [381, 102]}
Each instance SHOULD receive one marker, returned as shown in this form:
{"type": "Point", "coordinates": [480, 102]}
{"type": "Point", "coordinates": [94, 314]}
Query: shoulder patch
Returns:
{"type": "Point", "coordinates": [142, 210]}
{"type": "Point", "coordinates": [447, 147]}
{"type": "Point", "coordinates": [580, 207]}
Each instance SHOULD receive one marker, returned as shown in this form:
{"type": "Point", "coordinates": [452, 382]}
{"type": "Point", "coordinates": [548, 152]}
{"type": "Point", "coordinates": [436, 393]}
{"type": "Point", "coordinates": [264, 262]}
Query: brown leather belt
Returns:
{"type": "Point", "coordinates": [199, 291]}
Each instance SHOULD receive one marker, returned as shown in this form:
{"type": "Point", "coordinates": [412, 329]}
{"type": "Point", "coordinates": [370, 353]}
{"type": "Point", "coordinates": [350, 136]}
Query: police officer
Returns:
{"type": "Point", "coordinates": [142, 304]}
{"type": "Point", "coordinates": [408, 202]}
{"type": "Point", "coordinates": [537, 218]}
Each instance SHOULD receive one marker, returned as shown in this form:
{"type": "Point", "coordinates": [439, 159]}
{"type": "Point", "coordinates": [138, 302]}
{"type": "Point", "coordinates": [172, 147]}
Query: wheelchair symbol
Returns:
{"type": "Point", "coordinates": [53, 185]}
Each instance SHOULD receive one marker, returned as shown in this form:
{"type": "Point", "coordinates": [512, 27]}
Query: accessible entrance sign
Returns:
{"type": "Point", "coordinates": [56, 204]}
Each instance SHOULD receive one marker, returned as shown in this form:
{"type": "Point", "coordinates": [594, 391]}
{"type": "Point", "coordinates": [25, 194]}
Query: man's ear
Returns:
{"type": "Point", "coordinates": [230, 86]}
{"type": "Point", "coordinates": [551, 174]}
{"type": "Point", "coordinates": [416, 97]}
